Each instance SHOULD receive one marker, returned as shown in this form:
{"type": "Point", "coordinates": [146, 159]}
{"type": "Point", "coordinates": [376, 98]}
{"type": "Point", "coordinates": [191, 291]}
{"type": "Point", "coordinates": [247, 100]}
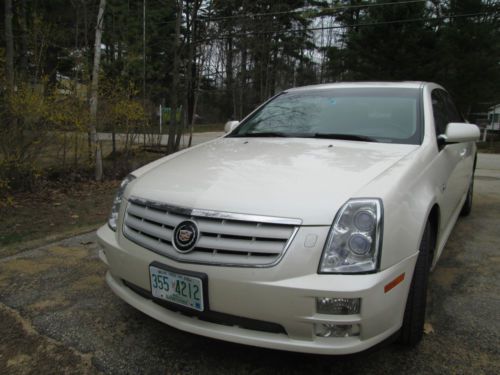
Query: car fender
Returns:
{"type": "Point", "coordinates": [408, 198]}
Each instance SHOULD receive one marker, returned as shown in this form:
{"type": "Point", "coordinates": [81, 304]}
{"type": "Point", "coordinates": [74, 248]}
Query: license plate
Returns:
{"type": "Point", "coordinates": [176, 287]}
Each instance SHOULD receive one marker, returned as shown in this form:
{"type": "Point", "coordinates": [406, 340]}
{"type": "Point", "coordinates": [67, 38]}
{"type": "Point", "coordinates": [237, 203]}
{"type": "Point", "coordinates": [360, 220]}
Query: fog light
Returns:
{"type": "Point", "coordinates": [338, 306]}
{"type": "Point", "coordinates": [336, 330]}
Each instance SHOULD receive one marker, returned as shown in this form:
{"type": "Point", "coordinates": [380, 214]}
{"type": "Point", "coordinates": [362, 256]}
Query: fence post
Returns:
{"type": "Point", "coordinates": [484, 134]}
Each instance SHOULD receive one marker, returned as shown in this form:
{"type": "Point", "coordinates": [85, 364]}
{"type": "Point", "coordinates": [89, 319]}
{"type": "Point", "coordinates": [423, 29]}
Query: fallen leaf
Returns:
{"type": "Point", "coordinates": [428, 329]}
{"type": "Point", "coordinates": [75, 216]}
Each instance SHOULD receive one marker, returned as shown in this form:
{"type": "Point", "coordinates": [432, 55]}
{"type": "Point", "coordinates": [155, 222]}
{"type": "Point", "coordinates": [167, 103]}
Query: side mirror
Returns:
{"type": "Point", "coordinates": [457, 132]}
{"type": "Point", "coordinates": [230, 125]}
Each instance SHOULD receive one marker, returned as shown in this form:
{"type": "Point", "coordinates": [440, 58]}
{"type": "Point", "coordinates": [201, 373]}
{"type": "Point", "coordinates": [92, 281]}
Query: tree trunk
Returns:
{"type": "Point", "coordinates": [180, 127]}
{"type": "Point", "coordinates": [243, 81]}
{"type": "Point", "coordinates": [273, 72]}
{"type": "Point", "coordinates": [113, 140]}
{"type": "Point", "coordinates": [191, 59]}
{"type": "Point", "coordinates": [75, 145]}
{"type": "Point", "coordinates": [144, 70]}
{"type": "Point", "coordinates": [189, 110]}
{"type": "Point", "coordinates": [193, 119]}
{"type": "Point", "coordinates": [229, 80]}
{"type": "Point", "coordinates": [77, 65]}
{"type": "Point", "coordinates": [94, 92]}
{"type": "Point", "coordinates": [175, 81]}
{"type": "Point", "coordinates": [9, 41]}
{"type": "Point", "coordinates": [23, 23]}
{"type": "Point", "coordinates": [196, 76]}
{"type": "Point", "coordinates": [65, 142]}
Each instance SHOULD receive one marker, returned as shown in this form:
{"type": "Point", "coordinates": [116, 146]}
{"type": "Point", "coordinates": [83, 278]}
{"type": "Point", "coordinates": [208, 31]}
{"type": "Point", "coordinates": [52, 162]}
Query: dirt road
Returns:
{"type": "Point", "coordinates": [58, 316]}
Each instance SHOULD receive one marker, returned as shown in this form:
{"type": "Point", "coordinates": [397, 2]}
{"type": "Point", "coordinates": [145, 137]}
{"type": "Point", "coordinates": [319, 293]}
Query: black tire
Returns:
{"type": "Point", "coordinates": [413, 322]}
{"type": "Point", "coordinates": [467, 207]}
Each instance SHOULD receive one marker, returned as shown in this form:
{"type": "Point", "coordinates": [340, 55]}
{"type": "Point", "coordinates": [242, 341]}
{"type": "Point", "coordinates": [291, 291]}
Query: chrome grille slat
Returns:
{"type": "Point", "coordinates": [234, 229]}
{"type": "Point", "coordinates": [146, 241]}
{"type": "Point", "coordinates": [241, 245]}
{"type": "Point", "coordinates": [224, 238]}
{"type": "Point", "coordinates": [170, 220]}
{"type": "Point", "coordinates": [151, 229]}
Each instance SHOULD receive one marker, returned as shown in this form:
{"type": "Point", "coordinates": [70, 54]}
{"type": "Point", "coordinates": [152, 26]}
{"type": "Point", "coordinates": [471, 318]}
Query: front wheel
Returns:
{"type": "Point", "coordinates": [413, 322]}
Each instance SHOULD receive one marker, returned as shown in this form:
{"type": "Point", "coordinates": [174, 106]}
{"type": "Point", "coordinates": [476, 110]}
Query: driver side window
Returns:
{"type": "Point", "coordinates": [439, 110]}
{"type": "Point", "coordinates": [453, 113]}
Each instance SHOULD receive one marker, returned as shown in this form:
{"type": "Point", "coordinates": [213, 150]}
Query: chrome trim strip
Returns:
{"type": "Point", "coordinates": [216, 214]}
{"type": "Point", "coordinates": [245, 217]}
{"type": "Point", "coordinates": [161, 206]}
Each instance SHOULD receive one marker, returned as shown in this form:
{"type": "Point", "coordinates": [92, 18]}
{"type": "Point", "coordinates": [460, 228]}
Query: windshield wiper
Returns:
{"type": "Point", "coordinates": [264, 134]}
{"type": "Point", "coordinates": [347, 137]}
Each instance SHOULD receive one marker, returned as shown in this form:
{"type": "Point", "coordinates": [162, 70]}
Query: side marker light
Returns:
{"type": "Point", "coordinates": [394, 282]}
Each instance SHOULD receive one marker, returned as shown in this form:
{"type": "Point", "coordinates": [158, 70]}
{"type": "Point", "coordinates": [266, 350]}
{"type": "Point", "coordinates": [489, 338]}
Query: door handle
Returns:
{"type": "Point", "coordinates": [463, 153]}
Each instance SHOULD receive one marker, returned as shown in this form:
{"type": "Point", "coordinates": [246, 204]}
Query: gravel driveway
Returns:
{"type": "Point", "coordinates": [58, 316]}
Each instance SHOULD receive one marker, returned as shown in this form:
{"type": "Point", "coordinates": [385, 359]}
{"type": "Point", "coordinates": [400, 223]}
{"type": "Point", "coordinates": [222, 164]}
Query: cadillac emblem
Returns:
{"type": "Point", "coordinates": [185, 236]}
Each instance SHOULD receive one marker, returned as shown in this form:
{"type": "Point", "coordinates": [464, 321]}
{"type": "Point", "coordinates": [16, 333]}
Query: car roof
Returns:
{"type": "Point", "coordinates": [402, 84]}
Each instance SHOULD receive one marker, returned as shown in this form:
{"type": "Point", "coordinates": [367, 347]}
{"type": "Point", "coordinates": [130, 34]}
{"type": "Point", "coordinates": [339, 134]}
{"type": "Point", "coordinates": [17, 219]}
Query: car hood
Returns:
{"type": "Point", "coordinates": [306, 179]}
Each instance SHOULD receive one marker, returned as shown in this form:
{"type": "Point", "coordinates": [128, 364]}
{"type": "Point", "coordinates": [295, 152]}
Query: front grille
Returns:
{"type": "Point", "coordinates": [212, 316]}
{"type": "Point", "coordinates": [224, 238]}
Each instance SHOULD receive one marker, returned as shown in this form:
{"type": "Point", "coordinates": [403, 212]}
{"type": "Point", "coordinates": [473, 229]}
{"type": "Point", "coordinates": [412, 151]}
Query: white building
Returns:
{"type": "Point", "coordinates": [494, 118]}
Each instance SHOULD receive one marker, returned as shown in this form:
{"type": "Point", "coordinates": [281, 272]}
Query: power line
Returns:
{"type": "Point", "coordinates": [366, 24]}
{"type": "Point", "coordinates": [325, 9]}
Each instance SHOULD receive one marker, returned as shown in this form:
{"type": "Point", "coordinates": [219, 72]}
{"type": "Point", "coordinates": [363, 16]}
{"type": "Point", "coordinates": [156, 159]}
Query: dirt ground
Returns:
{"type": "Point", "coordinates": [58, 316]}
{"type": "Point", "coordinates": [54, 212]}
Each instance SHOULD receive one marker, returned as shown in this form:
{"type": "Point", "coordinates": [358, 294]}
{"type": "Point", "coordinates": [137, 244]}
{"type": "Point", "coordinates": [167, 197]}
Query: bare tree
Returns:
{"type": "Point", "coordinates": [9, 41]}
{"type": "Point", "coordinates": [175, 80]}
{"type": "Point", "coordinates": [94, 92]}
{"type": "Point", "coordinates": [190, 96]}
{"type": "Point", "coordinates": [196, 73]}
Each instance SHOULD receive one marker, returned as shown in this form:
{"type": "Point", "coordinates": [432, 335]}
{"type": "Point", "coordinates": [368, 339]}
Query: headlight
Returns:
{"type": "Point", "coordinates": [113, 217]}
{"type": "Point", "coordinates": [354, 241]}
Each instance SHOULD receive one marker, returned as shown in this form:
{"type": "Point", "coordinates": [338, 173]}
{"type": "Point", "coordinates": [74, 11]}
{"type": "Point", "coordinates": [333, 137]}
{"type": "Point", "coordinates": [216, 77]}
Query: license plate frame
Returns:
{"type": "Point", "coordinates": [177, 274]}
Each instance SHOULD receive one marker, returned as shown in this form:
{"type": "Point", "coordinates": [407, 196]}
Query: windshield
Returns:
{"type": "Point", "coordinates": [363, 114]}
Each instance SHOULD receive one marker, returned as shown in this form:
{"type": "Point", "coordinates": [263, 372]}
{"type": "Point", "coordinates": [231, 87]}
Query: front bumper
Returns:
{"type": "Point", "coordinates": [284, 295]}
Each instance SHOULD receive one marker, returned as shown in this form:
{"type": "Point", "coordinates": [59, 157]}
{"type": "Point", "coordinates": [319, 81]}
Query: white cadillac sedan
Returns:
{"type": "Point", "coordinates": [311, 226]}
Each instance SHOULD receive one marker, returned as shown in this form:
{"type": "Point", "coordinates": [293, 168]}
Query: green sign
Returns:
{"type": "Point", "coordinates": [166, 114]}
